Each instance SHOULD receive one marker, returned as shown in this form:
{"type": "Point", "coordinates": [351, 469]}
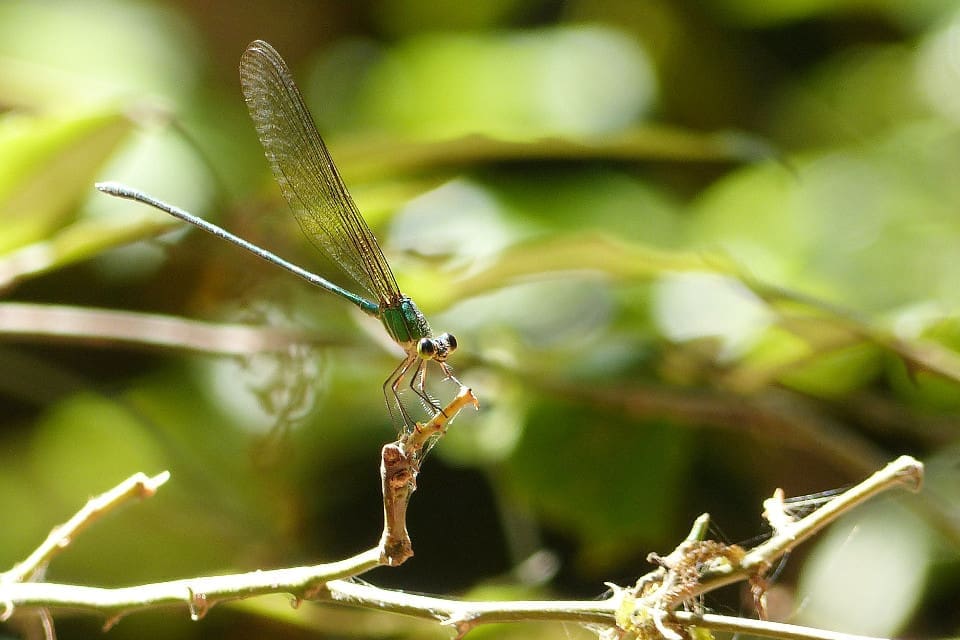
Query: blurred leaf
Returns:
{"type": "Point", "coordinates": [928, 390]}
{"type": "Point", "coordinates": [88, 425]}
{"type": "Point", "coordinates": [400, 16]}
{"type": "Point", "coordinates": [369, 157]}
{"type": "Point", "coordinates": [492, 435]}
{"type": "Point", "coordinates": [749, 214]}
{"type": "Point", "coordinates": [84, 53]}
{"type": "Point", "coordinates": [757, 13]}
{"type": "Point", "coordinates": [574, 200]}
{"type": "Point", "coordinates": [835, 374]}
{"type": "Point", "coordinates": [701, 306]}
{"type": "Point", "coordinates": [936, 70]}
{"type": "Point", "coordinates": [584, 252]}
{"type": "Point", "coordinates": [629, 497]}
{"type": "Point", "coordinates": [18, 495]}
{"type": "Point", "coordinates": [870, 228]}
{"type": "Point", "coordinates": [76, 242]}
{"type": "Point", "coordinates": [851, 98]}
{"type": "Point", "coordinates": [866, 574]}
{"type": "Point", "coordinates": [48, 166]}
{"type": "Point", "coordinates": [518, 85]}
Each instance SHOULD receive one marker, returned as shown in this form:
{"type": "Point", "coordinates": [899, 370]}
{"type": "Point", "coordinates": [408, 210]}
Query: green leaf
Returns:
{"type": "Point", "coordinates": [517, 85]}
{"type": "Point", "coordinates": [609, 481]}
{"type": "Point", "coordinates": [866, 574]}
{"type": "Point", "coordinates": [836, 373]}
{"type": "Point", "coordinates": [365, 158]}
{"type": "Point", "coordinates": [580, 252]}
{"type": "Point", "coordinates": [47, 166]}
{"type": "Point", "coordinates": [76, 242]}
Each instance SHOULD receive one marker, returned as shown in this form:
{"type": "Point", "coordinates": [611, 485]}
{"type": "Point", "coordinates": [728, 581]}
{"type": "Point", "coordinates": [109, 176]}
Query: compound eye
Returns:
{"type": "Point", "coordinates": [426, 348]}
{"type": "Point", "coordinates": [450, 341]}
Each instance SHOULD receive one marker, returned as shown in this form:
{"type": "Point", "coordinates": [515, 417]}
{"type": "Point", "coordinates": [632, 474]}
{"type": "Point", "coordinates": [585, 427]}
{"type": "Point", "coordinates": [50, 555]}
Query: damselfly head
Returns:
{"type": "Point", "coordinates": [437, 348]}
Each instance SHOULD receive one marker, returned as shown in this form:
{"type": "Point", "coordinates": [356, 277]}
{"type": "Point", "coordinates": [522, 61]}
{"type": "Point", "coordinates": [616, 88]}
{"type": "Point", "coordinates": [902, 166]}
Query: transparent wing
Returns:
{"type": "Point", "coordinates": [306, 174]}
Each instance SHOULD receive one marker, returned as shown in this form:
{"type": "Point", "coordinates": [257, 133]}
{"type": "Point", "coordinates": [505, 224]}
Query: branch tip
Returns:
{"type": "Point", "coordinates": [910, 472]}
{"type": "Point", "coordinates": [148, 485]}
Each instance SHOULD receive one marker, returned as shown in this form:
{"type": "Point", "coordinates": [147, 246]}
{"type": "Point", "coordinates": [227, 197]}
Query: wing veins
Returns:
{"type": "Point", "coordinates": [307, 176]}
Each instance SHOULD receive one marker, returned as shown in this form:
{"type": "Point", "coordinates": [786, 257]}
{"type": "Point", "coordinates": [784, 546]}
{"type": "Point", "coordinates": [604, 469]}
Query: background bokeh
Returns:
{"type": "Point", "coordinates": [692, 252]}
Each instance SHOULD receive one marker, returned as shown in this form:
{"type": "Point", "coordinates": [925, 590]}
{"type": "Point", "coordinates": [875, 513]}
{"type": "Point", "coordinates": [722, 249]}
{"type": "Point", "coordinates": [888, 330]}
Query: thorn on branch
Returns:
{"type": "Point", "coordinates": [197, 604]}
{"type": "Point", "coordinates": [111, 622]}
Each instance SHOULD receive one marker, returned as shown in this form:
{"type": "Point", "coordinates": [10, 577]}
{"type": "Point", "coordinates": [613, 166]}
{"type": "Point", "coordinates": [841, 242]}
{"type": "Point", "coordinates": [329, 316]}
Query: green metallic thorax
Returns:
{"type": "Point", "coordinates": [404, 322]}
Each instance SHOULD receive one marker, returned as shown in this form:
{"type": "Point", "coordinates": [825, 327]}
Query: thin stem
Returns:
{"type": "Point", "coordinates": [763, 628]}
{"type": "Point", "coordinates": [97, 326]}
{"type": "Point", "coordinates": [199, 593]}
{"type": "Point", "coordinates": [904, 471]}
{"type": "Point", "coordinates": [136, 486]}
{"type": "Point", "coordinates": [399, 466]}
{"type": "Point", "coordinates": [459, 612]}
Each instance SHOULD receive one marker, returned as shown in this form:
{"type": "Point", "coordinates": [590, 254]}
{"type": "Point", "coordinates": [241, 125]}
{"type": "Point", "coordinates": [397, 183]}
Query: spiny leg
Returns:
{"type": "Point", "coordinates": [417, 382]}
{"type": "Point", "coordinates": [392, 383]}
{"type": "Point", "coordinates": [448, 372]}
{"type": "Point", "coordinates": [448, 375]}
